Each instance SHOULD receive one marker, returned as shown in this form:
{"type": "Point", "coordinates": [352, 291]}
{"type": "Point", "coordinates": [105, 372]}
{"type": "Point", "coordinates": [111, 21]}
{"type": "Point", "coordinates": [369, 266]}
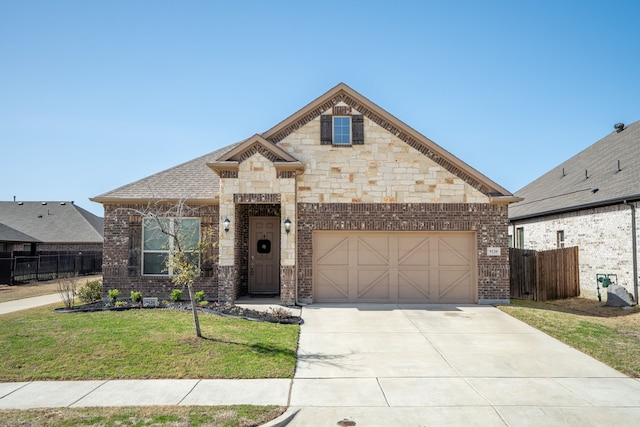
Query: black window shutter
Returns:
{"type": "Point", "coordinates": [326, 130]}
{"type": "Point", "coordinates": [357, 129]}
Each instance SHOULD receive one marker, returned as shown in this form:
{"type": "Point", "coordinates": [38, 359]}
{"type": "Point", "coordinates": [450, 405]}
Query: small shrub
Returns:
{"type": "Point", "coordinates": [203, 303]}
{"type": "Point", "coordinates": [90, 291]}
{"type": "Point", "coordinates": [121, 304]}
{"type": "Point", "coordinates": [113, 295]}
{"type": "Point", "coordinates": [280, 313]}
{"type": "Point", "coordinates": [200, 296]}
{"type": "Point", "coordinates": [67, 290]}
{"type": "Point", "coordinates": [136, 297]}
{"type": "Point", "coordinates": [176, 294]}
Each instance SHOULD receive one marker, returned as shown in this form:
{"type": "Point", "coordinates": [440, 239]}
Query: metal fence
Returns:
{"type": "Point", "coordinates": [19, 269]}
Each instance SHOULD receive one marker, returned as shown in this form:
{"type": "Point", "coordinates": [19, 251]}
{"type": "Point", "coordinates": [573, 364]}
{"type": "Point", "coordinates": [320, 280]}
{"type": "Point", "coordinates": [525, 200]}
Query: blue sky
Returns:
{"type": "Point", "coordinates": [98, 94]}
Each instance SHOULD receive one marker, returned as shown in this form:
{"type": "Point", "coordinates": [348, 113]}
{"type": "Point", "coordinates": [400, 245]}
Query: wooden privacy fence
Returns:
{"type": "Point", "coordinates": [544, 275]}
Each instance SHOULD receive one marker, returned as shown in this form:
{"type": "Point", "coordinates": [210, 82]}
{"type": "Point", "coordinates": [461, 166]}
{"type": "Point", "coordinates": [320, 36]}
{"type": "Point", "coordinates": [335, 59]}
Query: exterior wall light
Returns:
{"type": "Point", "coordinates": [226, 223]}
{"type": "Point", "coordinates": [287, 225]}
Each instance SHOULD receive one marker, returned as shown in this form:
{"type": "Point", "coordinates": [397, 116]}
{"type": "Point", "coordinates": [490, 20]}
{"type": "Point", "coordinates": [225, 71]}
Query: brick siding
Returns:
{"type": "Point", "coordinates": [489, 222]}
{"type": "Point", "coordinates": [121, 268]}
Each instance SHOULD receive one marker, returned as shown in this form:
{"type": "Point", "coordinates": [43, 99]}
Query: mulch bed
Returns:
{"type": "Point", "coordinates": [282, 316]}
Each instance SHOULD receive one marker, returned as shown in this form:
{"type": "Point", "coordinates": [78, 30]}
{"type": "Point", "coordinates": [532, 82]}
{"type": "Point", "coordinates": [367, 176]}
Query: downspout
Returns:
{"type": "Point", "coordinates": [634, 249]}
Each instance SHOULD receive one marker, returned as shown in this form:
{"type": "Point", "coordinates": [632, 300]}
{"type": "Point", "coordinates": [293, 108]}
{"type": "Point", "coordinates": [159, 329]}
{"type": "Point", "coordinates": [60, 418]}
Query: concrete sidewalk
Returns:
{"type": "Point", "coordinates": [26, 303]}
{"type": "Point", "coordinates": [73, 394]}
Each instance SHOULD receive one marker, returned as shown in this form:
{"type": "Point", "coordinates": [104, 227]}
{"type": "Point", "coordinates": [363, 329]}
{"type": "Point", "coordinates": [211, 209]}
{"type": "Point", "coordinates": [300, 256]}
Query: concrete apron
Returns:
{"type": "Point", "coordinates": [382, 365]}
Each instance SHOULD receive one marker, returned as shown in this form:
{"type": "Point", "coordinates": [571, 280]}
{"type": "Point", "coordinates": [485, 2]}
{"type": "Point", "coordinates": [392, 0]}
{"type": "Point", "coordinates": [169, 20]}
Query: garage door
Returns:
{"type": "Point", "coordinates": [394, 267]}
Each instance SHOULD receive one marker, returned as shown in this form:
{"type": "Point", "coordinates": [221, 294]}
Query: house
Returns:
{"type": "Point", "coordinates": [41, 227]}
{"type": "Point", "coordinates": [587, 201]}
{"type": "Point", "coordinates": [339, 202]}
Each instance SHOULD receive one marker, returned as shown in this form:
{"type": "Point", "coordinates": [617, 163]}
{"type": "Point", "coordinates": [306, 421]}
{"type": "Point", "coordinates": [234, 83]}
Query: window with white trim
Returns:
{"type": "Point", "coordinates": [560, 239]}
{"type": "Point", "coordinates": [341, 130]}
{"type": "Point", "coordinates": [162, 237]}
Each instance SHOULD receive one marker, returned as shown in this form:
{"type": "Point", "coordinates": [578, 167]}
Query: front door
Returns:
{"type": "Point", "coordinates": [264, 255]}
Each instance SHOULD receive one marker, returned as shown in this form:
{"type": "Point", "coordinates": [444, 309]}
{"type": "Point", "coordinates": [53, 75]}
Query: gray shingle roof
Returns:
{"type": "Point", "coordinates": [554, 193]}
{"type": "Point", "coordinates": [8, 234]}
{"type": "Point", "coordinates": [192, 180]}
{"type": "Point", "coordinates": [49, 222]}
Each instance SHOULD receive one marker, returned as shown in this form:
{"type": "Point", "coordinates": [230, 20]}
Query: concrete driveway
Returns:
{"type": "Point", "coordinates": [384, 365]}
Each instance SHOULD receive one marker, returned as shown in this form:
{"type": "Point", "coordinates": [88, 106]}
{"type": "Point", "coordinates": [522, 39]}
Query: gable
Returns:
{"type": "Point", "coordinates": [382, 170]}
{"type": "Point", "coordinates": [194, 180]}
{"type": "Point", "coordinates": [227, 165]}
{"type": "Point", "coordinates": [344, 95]}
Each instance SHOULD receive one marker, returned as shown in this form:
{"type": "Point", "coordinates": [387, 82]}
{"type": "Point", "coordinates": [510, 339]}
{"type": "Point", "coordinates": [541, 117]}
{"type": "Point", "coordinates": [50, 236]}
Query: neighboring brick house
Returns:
{"type": "Point", "coordinates": [41, 227]}
{"type": "Point", "coordinates": [588, 201]}
{"type": "Point", "coordinates": [340, 202]}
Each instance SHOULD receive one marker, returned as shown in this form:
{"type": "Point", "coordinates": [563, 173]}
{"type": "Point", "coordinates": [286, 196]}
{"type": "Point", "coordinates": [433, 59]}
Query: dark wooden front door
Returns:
{"type": "Point", "coordinates": [264, 255]}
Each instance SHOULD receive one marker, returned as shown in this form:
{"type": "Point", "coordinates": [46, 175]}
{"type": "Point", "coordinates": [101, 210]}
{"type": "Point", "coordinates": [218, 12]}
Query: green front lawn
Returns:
{"type": "Point", "coordinates": [39, 344]}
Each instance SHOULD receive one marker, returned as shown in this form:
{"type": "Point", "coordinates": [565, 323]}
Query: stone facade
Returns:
{"type": "Point", "coordinates": [384, 169]}
{"type": "Point", "coordinates": [257, 182]}
{"type": "Point", "coordinates": [603, 236]}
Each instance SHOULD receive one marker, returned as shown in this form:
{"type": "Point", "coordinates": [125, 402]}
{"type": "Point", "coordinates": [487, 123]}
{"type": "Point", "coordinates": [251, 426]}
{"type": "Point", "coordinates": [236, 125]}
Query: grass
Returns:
{"type": "Point", "coordinates": [36, 289]}
{"type": "Point", "coordinates": [194, 416]}
{"type": "Point", "coordinates": [609, 334]}
{"type": "Point", "coordinates": [39, 344]}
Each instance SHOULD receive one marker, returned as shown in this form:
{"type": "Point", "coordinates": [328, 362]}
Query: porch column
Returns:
{"type": "Point", "coordinates": [228, 284]}
{"type": "Point", "coordinates": [288, 242]}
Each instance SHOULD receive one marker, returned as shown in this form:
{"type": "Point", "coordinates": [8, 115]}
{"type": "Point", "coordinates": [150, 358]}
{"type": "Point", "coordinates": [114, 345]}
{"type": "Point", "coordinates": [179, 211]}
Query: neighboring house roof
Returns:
{"type": "Point", "coordinates": [49, 222]}
{"type": "Point", "coordinates": [8, 234]}
{"type": "Point", "coordinates": [591, 178]}
{"type": "Point", "coordinates": [194, 180]}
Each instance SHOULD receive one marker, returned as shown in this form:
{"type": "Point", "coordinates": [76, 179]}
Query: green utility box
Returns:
{"type": "Point", "coordinates": [605, 280]}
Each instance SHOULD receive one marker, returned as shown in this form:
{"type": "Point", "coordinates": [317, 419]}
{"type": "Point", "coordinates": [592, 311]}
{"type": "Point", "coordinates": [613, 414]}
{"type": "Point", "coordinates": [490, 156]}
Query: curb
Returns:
{"type": "Point", "coordinates": [283, 419]}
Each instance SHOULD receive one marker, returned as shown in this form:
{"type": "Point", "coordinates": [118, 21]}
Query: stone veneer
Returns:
{"type": "Point", "coordinates": [489, 222]}
{"type": "Point", "coordinates": [257, 183]}
{"type": "Point", "coordinates": [385, 169]}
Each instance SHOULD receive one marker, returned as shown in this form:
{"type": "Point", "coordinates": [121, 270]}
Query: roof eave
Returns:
{"type": "Point", "coordinates": [599, 204]}
{"type": "Point", "coordinates": [504, 200]}
{"type": "Point", "coordinates": [224, 166]}
{"type": "Point", "coordinates": [163, 201]}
